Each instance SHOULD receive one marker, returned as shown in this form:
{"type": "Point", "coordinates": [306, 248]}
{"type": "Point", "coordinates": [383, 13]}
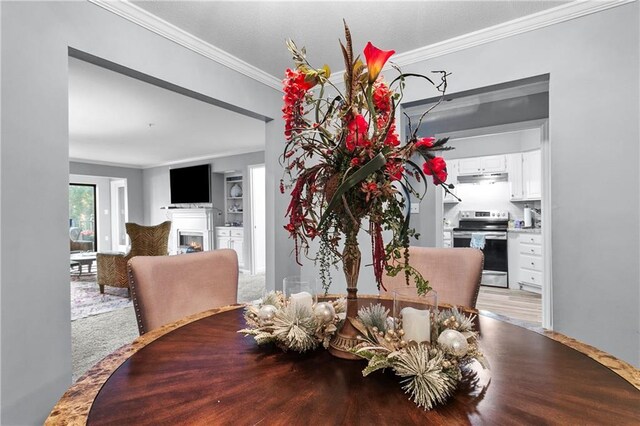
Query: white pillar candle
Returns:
{"type": "Point", "coordinates": [302, 299]}
{"type": "Point", "coordinates": [416, 325]}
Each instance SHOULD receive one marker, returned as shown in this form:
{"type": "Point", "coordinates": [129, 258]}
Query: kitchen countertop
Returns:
{"type": "Point", "coordinates": [526, 230]}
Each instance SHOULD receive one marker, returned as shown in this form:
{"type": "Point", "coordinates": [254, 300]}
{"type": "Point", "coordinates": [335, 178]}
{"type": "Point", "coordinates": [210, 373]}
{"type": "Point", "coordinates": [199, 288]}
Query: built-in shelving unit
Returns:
{"type": "Point", "coordinates": [234, 198]}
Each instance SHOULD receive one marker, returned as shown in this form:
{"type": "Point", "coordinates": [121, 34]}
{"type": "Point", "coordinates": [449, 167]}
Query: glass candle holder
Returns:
{"type": "Point", "coordinates": [414, 314]}
{"type": "Point", "coordinates": [300, 292]}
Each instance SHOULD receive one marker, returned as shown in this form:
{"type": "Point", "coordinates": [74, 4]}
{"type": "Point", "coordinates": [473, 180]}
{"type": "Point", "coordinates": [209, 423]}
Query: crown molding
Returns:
{"type": "Point", "coordinates": [545, 18]}
{"type": "Point", "coordinates": [169, 31]}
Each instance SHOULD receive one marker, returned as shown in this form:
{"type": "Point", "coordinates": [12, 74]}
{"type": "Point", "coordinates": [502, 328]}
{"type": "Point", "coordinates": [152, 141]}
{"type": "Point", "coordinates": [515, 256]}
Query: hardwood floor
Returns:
{"type": "Point", "coordinates": [517, 304]}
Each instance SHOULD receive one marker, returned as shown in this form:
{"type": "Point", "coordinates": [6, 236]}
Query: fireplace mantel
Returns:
{"type": "Point", "coordinates": [191, 221]}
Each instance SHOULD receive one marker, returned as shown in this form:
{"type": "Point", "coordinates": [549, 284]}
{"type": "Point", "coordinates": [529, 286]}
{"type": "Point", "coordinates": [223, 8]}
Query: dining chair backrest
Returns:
{"type": "Point", "coordinates": [454, 273]}
{"type": "Point", "coordinates": [165, 289]}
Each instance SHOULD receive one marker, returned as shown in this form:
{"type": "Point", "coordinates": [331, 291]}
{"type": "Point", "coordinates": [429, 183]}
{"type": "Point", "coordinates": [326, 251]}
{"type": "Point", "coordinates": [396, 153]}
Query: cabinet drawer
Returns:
{"type": "Point", "coordinates": [531, 262]}
{"type": "Point", "coordinates": [535, 239]}
{"type": "Point", "coordinates": [530, 249]}
{"type": "Point", "coordinates": [531, 277]}
{"type": "Point", "coordinates": [223, 233]}
{"type": "Point", "coordinates": [237, 233]}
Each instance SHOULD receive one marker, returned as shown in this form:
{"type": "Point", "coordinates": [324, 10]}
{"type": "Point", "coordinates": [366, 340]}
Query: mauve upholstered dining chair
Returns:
{"type": "Point", "coordinates": [168, 288]}
{"type": "Point", "coordinates": [145, 241]}
{"type": "Point", "coordinates": [454, 273]}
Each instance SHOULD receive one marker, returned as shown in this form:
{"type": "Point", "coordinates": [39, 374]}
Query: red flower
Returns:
{"type": "Point", "coordinates": [357, 135]}
{"type": "Point", "coordinates": [376, 59]}
{"type": "Point", "coordinates": [381, 96]}
{"type": "Point", "coordinates": [425, 142]}
{"type": "Point", "coordinates": [295, 88]}
{"type": "Point", "coordinates": [394, 170]}
{"type": "Point", "coordinates": [355, 161]}
{"type": "Point", "coordinates": [290, 227]}
{"type": "Point", "coordinates": [391, 139]}
{"type": "Point", "coordinates": [437, 168]}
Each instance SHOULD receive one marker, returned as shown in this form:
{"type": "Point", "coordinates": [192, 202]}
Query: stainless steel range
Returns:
{"type": "Point", "coordinates": [490, 227]}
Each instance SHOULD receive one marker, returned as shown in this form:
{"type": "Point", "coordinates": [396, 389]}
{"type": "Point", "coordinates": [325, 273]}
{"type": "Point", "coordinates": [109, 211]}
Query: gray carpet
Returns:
{"type": "Point", "coordinates": [95, 337]}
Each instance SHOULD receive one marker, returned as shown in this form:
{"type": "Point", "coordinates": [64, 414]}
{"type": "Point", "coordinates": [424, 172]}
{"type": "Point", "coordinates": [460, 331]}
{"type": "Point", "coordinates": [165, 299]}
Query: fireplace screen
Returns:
{"type": "Point", "coordinates": [190, 242]}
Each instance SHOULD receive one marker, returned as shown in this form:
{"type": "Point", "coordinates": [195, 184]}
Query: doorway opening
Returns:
{"type": "Point", "coordinates": [500, 165]}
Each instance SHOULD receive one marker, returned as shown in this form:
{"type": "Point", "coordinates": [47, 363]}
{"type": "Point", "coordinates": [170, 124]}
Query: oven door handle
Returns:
{"type": "Point", "coordinates": [487, 236]}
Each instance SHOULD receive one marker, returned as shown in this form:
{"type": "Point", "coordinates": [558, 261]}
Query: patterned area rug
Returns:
{"type": "Point", "coordinates": [86, 299]}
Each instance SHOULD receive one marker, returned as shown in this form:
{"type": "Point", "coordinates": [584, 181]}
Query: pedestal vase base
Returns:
{"type": "Point", "coordinates": [341, 345]}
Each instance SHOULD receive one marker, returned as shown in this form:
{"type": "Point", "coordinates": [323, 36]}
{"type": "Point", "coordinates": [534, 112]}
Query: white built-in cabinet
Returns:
{"type": "Point", "coordinates": [525, 175]}
{"type": "Point", "coordinates": [526, 268]}
{"type": "Point", "coordinates": [232, 238]}
{"type": "Point", "coordinates": [532, 174]}
{"type": "Point", "coordinates": [234, 204]}
{"type": "Point", "coordinates": [489, 164]}
{"type": "Point", "coordinates": [452, 177]}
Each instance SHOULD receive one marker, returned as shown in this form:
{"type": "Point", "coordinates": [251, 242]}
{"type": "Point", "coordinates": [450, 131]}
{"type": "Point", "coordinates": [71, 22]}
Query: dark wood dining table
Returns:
{"type": "Point", "coordinates": [200, 370]}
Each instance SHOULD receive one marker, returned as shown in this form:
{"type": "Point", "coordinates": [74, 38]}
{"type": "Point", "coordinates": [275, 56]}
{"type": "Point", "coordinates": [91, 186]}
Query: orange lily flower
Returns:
{"type": "Point", "coordinates": [376, 59]}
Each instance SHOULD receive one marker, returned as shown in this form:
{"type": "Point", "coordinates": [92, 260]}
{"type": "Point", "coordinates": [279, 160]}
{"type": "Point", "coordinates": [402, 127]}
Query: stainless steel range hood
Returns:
{"type": "Point", "coordinates": [483, 178]}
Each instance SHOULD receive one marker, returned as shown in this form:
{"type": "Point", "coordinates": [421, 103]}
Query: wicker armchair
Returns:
{"type": "Point", "coordinates": [145, 241]}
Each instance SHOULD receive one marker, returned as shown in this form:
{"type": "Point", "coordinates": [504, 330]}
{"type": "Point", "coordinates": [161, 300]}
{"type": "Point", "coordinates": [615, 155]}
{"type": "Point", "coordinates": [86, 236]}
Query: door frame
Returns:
{"type": "Point", "coordinates": [252, 250]}
{"type": "Point", "coordinates": [115, 184]}
{"type": "Point", "coordinates": [545, 204]}
{"type": "Point", "coordinates": [95, 211]}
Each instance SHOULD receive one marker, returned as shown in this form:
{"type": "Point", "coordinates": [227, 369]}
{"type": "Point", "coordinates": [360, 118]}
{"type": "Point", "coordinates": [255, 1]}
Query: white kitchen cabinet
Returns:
{"type": "Point", "coordinates": [452, 177]}
{"type": "Point", "coordinates": [525, 175]}
{"type": "Point", "coordinates": [447, 239]}
{"type": "Point", "coordinates": [531, 266]}
{"type": "Point", "coordinates": [532, 174]}
{"type": "Point", "coordinates": [474, 166]}
{"type": "Point", "coordinates": [514, 170]}
{"type": "Point", "coordinates": [513, 257]}
{"type": "Point", "coordinates": [233, 238]}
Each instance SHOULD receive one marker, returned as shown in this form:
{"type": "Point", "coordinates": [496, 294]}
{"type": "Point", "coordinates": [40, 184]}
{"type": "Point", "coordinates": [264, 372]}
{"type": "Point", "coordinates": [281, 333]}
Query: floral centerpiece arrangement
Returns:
{"type": "Point", "coordinates": [430, 370]}
{"type": "Point", "coordinates": [346, 167]}
{"type": "Point", "coordinates": [346, 164]}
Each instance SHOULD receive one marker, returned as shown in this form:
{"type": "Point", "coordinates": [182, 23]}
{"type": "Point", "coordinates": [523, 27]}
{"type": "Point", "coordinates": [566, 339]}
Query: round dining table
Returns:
{"type": "Point", "coordinates": [200, 370]}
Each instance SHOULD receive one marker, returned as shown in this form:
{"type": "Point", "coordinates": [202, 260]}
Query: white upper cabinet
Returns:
{"type": "Point", "coordinates": [532, 174]}
{"type": "Point", "coordinates": [525, 175]}
{"type": "Point", "coordinates": [514, 169]}
{"type": "Point", "coordinates": [474, 166]}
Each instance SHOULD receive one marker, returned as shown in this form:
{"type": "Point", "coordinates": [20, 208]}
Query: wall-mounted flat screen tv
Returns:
{"type": "Point", "coordinates": [190, 184]}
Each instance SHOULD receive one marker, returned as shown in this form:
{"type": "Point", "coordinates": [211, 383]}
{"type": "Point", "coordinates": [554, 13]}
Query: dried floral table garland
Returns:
{"type": "Point", "coordinates": [430, 372]}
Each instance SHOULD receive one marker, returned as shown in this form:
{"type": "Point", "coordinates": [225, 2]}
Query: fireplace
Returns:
{"type": "Point", "coordinates": [190, 242]}
{"type": "Point", "coordinates": [192, 230]}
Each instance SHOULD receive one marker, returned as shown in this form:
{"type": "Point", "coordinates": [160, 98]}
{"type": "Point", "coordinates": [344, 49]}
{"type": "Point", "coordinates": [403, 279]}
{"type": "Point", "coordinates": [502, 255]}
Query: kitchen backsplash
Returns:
{"type": "Point", "coordinates": [486, 197]}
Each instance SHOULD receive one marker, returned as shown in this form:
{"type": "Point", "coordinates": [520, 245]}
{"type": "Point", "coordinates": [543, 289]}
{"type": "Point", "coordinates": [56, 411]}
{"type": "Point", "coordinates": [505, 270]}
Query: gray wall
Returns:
{"type": "Point", "coordinates": [35, 326]}
{"type": "Point", "coordinates": [593, 120]}
{"type": "Point", "coordinates": [156, 181]}
{"type": "Point", "coordinates": [134, 184]}
{"type": "Point", "coordinates": [157, 191]}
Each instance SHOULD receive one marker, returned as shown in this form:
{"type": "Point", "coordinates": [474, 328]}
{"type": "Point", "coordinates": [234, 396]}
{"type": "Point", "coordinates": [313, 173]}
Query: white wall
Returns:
{"type": "Point", "coordinates": [35, 343]}
{"type": "Point", "coordinates": [593, 120]}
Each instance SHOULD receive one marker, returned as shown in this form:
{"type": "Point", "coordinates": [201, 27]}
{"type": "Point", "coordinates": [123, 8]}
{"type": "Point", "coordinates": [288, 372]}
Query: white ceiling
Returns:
{"type": "Point", "coordinates": [116, 119]}
{"type": "Point", "coordinates": [256, 31]}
